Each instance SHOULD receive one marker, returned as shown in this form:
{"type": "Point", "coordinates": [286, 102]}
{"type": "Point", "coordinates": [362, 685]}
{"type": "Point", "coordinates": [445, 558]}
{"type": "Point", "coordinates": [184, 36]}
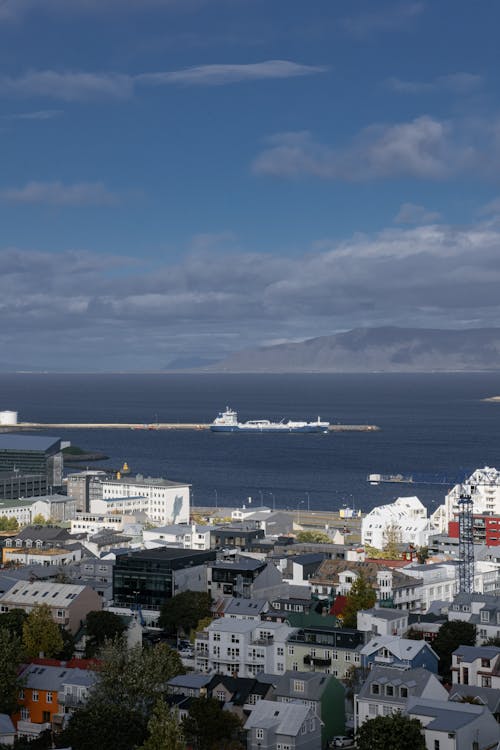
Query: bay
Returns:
{"type": "Point", "coordinates": [435, 425]}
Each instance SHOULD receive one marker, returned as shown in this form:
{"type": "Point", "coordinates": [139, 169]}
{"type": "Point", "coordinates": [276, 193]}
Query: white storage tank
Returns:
{"type": "Point", "coordinates": [8, 418]}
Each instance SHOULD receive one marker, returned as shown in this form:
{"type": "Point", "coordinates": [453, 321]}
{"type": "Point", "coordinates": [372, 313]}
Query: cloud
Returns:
{"type": "Point", "coordinates": [412, 213]}
{"type": "Point", "coordinates": [419, 148]}
{"type": "Point", "coordinates": [493, 207]}
{"type": "Point", "coordinates": [13, 10]}
{"type": "Point", "coordinates": [391, 18]}
{"type": "Point", "coordinates": [40, 114]}
{"type": "Point", "coordinates": [457, 83]}
{"type": "Point", "coordinates": [58, 194]}
{"type": "Point", "coordinates": [124, 313]}
{"type": "Point", "coordinates": [76, 86]}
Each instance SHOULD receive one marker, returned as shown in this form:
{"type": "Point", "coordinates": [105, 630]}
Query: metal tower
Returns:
{"type": "Point", "coordinates": [465, 541]}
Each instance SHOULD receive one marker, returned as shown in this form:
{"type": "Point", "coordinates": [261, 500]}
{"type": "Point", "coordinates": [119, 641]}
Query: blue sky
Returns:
{"type": "Point", "coordinates": [184, 178]}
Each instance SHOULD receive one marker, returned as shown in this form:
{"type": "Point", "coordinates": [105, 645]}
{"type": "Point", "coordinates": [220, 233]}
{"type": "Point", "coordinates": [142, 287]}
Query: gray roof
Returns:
{"type": "Point", "coordinates": [446, 716]}
{"type": "Point", "coordinates": [43, 533]}
{"type": "Point", "coordinates": [283, 718]}
{"type": "Point", "coordinates": [241, 564]}
{"type": "Point", "coordinates": [237, 606]}
{"type": "Point", "coordinates": [471, 653]}
{"type": "Point", "coordinates": [190, 680]}
{"type": "Point", "coordinates": [308, 558]}
{"type": "Point", "coordinates": [385, 613]}
{"type": "Point", "coordinates": [17, 441]}
{"type": "Point", "coordinates": [486, 696]}
{"type": "Point", "coordinates": [42, 677]}
{"type": "Point", "coordinates": [6, 725]}
{"type": "Point", "coordinates": [315, 683]}
{"type": "Point", "coordinates": [415, 680]}
{"type": "Point", "coordinates": [401, 648]}
{"type": "Point", "coordinates": [139, 479]}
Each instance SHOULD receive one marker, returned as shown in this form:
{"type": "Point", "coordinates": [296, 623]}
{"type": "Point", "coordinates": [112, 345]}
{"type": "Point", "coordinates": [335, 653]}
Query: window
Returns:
{"type": "Point", "coordinates": [46, 717]}
{"type": "Point", "coordinates": [389, 690]}
{"type": "Point", "coordinates": [259, 734]}
{"type": "Point", "coordinates": [280, 651]}
{"type": "Point", "coordinates": [436, 744]}
{"type": "Point", "coordinates": [21, 694]}
{"type": "Point", "coordinates": [220, 695]}
{"type": "Point", "coordinates": [25, 714]}
{"type": "Point", "coordinates": [372, 709]}
{"type": "Point", "coordinates": [387, 710]}
{"type": "Point", "coordinates": [312, 725]}
{"type": "Point", "coordinates": [290, 650]}
{"type": "Point", "coordinates": [486, 681]}
{"type": "Point", "coordinates": [295, 666]}
{"type": "Point", "coordinates": [485, 663]}
{"type": "Point", "coordinates": [375, 688]}
{"type": "Point", "coordinates": [280, 666]}
{"type": "Point", "coordinates": [298, 686]}
{"type": "Point", "coordinates": [34, 696]}
{"type": "Point", "coordinates": [403, 692]}
{"type": "Point", "coordinates": [216, 636]}
{"type": "Point", "coordinates": [49, 698]}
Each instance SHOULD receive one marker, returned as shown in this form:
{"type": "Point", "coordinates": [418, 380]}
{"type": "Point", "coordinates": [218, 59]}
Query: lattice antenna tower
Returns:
{"type": "Point", "coordinates": [465, 540]}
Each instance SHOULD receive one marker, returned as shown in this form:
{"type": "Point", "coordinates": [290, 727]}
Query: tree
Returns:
{"type": "Point", "coordinates": [39, 520]}
{"type": "Point", "coordinates": [41, 634]}
{"type": "Point", "coordinates": [451, 635]}
{"type": "Point", "coordinates": [101, 626]}
{"type": "Point", "coordinates": [422, 554]}
{"type": "Point", "coordinates": [414, 635]}
{"type": "Point", "coordinates": [121, 702]}
{"type": "Point", "coordinates": [207, 726]}
{"type": "Point", "coordinates": [361, 596]}
{"type": "Point", "coordinates": [184, 611]}
{"type": "Point", "coordinates": [392, 538]}
{"type": "Point", "coordinates": [165, 732]}
{"type": "Point", "coordinates": [493, 641]}
{"type": "Point", "coordinates": [11, 655]}
{"type": "Point", "coordinates": [200, 625]}
{"type": "Point", "coordinates": [8, 524]}
{"type": "Point", "coordinates": [13, 621]}
{"type": "Point", "coordinates": [313, 537]}
{"type": "Point", "coordinates": [396, 732]}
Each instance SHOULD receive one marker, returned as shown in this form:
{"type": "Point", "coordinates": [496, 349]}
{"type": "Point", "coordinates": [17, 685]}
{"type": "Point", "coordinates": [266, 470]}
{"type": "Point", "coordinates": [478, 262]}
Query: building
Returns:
{"type": "Point", "coordinates": [242, 648]}
{"type": "Point", "coordinates": [322, 692]}
{"type": "Point", "coordinates": [57, 556]}
{"type": "Point", "coordinates": [51, 507]}
{"type": "Point", "coordinates": [32, 454]}
{"type": "Point", "coordinates": [439, 581]}
{"type": "Point", "coordinates": [179, 535]}
{"type": "Point", "coordinates": [244, 577]}
{"type": "Point", "coordinates": [163, 501]}
{"type": "Point", "coordinates": [387, 691]}
{"type": "Point", "coordinates": [69, 604]}
{"type": "Point", "coordinates": [382, 621]}
{"type": "Point", "coordinates": [149, 577]}
{"type": "Point", "coordinates": [482, 610]}
{"type": "Point", "coordinates": [484, 488]}
{"type": "Point", "coordinates": [78, 487]}
{"type": "Point", "coordinates": [14, 484]}
{"type": "Point", "coordinates": [92, 523]}
{"type": "Point", "coordinates": [485, 529]}
{"type": "Point", "coordinates": [476, 665]}
{"type": "Point", "coordinates": [403, 653]}
{"type": "Point", "coordinates": [406, 518]}
{"type": "Point", "coordinates": [283, 726]}
{"type": "Point", "coordinates": [449, 725]}
{"type": "Point", "coordinates": [235, 536]}
{"type": "Point", "coordinates": [324, 649]}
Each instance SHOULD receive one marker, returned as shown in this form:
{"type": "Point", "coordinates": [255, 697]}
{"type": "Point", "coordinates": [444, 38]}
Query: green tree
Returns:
{"type": "Point", "coordinates": [164, 730]}
{"type": "Point", "coordinates": [200, 625]}
{"type": "Point", "coordinates": [493, 641]}
{"type": "Point", "coordinates": [13, 621]}
{"type": "Point", "coordinates": [208, 727]}
{"type": "Point", "coordinates": [184, 611]}
{"type": "Point", "coordinates": [451, 635]}
{"type": "Point", "coordinates": [392, 538]}
{"type": "Point", "coordinates": [120, 704]}
{"type": "Point", "coordinates": [41, 634]}
{"type": "Point", "coordinates": [8, 524]}
{"type": "Point", "coordinates": [39, 520]}
{"type": "Point", "coordinates": [361, 596]}
{"type": "Point", "coordinates": [99, 627]}
{"type": "Point", "coordinates": [11, 655]}
{"type": "Point", "coordinates": [313, 537]}
{"type": "Point", "coordinates": [422, 554]}
{"type": "Point", "coordinates": [414, 635]}
{"type": "Point", "coordinates": [396, 732]}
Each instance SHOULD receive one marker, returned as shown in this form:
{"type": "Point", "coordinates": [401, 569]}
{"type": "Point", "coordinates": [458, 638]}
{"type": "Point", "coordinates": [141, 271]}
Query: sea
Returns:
{"type": "Point", "coordinates": [435, 427]}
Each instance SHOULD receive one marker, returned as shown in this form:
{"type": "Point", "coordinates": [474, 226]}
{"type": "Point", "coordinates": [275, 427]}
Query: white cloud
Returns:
{"type": "Point", "coordinates": [493, 207]}
{"type": "Point", "coordinates": [412, 213]}
{"type": "Point", "coordinates": [13, 10]}
{"type": "Point", "coordinates": [457, 83]}
{"type": "Point", "coordinates": [75, 86]}
{"type": "Point", "coordinates": [40, 114]}
{"type": "Point", "coordinates": [420, 148]}
{"type": "Point", "coordinates": [391, 18]}
{"type": "Point", "coordinates": [58, 194]}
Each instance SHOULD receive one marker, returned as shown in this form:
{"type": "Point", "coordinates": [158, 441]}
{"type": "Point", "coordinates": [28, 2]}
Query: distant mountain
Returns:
{"type": "Point", "coordinates": [388, 349]}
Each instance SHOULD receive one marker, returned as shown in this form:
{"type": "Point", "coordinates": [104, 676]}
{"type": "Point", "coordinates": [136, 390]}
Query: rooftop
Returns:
{"type": "Point", "coordinates": [139, 479]}
{"type": "Point", "coordinates": [20, 442]}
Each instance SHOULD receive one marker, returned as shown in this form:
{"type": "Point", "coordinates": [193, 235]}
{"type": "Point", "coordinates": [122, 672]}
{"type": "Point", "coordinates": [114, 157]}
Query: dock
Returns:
{"type": "Point", "coordinates": [155, 426]}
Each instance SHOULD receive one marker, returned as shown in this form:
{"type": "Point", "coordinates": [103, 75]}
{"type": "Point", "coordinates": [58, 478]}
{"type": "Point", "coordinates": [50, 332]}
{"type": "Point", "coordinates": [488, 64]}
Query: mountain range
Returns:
{"type": "Point", "coordinates": [386, 349]}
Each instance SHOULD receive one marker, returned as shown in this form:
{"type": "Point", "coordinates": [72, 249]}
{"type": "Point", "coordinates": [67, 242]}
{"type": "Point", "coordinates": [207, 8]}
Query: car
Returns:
{"type": "Point", "coordinates": [186, 653]}
{"type": "Point", "coordinates": [341, 741]}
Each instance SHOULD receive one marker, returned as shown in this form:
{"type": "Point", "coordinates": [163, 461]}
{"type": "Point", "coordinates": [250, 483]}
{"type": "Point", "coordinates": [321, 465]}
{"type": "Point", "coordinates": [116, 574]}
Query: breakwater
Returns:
{"type": "Point", "coordinates": [158, 426]}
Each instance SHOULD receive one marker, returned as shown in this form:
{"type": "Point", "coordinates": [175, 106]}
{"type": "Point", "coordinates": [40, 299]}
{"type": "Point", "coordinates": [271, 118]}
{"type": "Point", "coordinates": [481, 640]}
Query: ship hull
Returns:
{"type": "Point", "coordinates": [269, 428]}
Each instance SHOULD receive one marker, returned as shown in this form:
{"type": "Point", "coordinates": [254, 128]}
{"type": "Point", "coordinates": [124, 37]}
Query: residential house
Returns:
{"type": "Point", "coordinates": [244, 609]}
{"type": "Point", "coordinates": [244, 577]}
{"type": "Point", "coordinates": [405, 653]}
{"type": "Point", "coordinates": [324, 649]}
{"type": "Point", "coordinates": [283, 726]}
{"type": "Point", "coordinates": [454, 726]}
{"type": "Point", "coordinates": [482, 610]}
{"type": "Point", "coordinates": [406, 518]}
{"type": "Point", "coordinates": [69, 603]}
{"type": "Point", "coordinates": [476, 665]}
{"type": "Point", "coordinates": [481, 696]}
{"type": "Point", "coordinates": [276, 523]}
{"type": "Point", "coordinates": [242, 648]}
{"type": "Point", "coordinates": [190, 684]}
{"type": "Point", "coordinates": [239, 694]}
{"type": "Point", "coordinates": [300, 568]}
{"type": "Point", "coordinates": [7, 730]}
{"type": "Point", "coordinates": [235, 536]}
{"type": "Point", "coordinates": [484, 488]}
{"type": "Point", "coordinates": [322, 692]}
{"type": "Point", "coordinates": [440, 580]}
{"type": "Point", "coordinates": [382, 621]}
{"type": "Point", "coordinates": [186, 536]}
{"type": "Point", "coordinates": [387, 690]}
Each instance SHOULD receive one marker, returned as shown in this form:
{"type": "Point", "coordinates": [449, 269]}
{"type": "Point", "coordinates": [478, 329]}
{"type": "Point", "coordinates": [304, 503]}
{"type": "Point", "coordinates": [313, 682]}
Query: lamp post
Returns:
{"type": "Point", "coordinates": [261, 498]}
{"type": "Point", "coordinates": [272, 495]}
{"type": "Point", "coordinates": [216, 498]}
{"type": "Point", "coordinates": [308, 502]}
{"type": "Point", "coordinates": [300, 502]}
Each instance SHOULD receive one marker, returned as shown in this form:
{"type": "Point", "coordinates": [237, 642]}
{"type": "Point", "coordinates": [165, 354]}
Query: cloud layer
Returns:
{"type": "Point", "coordinates": [129, 315]}
{"type": "Point", "coordinates": [59, 194]}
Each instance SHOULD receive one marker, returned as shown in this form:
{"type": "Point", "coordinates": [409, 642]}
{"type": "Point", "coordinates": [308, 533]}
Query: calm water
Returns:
{"type": "Point", "coordinates": [430, 424]}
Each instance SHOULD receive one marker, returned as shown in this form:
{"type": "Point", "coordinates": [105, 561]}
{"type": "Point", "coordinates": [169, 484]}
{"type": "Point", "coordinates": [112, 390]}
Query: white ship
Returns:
{"type": "Point", "coordinates": [227, 421]}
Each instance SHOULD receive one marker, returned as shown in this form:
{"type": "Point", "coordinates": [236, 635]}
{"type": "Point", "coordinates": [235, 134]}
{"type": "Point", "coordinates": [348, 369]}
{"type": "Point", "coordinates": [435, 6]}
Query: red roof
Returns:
{"type": "Point", "coordinates": [338, 605]}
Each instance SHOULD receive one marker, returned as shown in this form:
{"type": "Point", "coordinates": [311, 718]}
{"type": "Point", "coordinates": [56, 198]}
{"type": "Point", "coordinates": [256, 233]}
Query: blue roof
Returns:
{"type": "Point", "coordinates": [17, 441]}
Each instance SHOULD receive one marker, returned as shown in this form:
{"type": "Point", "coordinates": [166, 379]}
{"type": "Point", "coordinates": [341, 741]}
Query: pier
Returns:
{"type": "Point", "coordinates": [154, 426]}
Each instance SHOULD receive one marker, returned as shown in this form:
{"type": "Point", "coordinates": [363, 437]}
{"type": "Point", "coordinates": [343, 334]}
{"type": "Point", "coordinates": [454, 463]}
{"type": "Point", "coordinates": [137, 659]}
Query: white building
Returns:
{"type": "Point", "coordinates": [178, 535]}
{"type": "Point", "coordinates": [406, 516]}
{"type": "Point", "coordinates": [242, 647]}
{"type": "Point", "coordinates": [439, 581]}
{"type": "Point", "coordinates": [91, 523]}
{"type": "Point", "coordinates": [484, 488]}
{"type": "Point", "coordinates": [163, 501]}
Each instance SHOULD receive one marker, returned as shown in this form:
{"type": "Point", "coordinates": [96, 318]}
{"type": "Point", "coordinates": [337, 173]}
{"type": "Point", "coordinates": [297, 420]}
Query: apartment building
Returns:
{"type": "Point", "coordinates": [163, 501]}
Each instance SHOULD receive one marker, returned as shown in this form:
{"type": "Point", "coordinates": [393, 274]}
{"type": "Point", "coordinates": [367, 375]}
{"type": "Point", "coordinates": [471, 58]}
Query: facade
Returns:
{"type": "Point", "coordinates": [283, 726]}
{"type": "Point", "coordinates": [92, 523]}
{"type": "Point", "coordinates": [324, 649]}
{"type": "Point", "coordinates": [485, 529]}
{"type": "Point", "coordinates": [242, 648]}
{"type": "Point", "coordinates": [407, 519]}
{"type": "Point", "coordinates": [53, 556]}
{"type": "Point", "coordinates": [149, 577]}
{"type": "Point", "coordinates": [244, 577]}
{"type": "Point", "coordinates": [382, 621]}
{"type": "Point", "coordinates": [476, 665]}
{"type": "Point", "coordinates": [32, 454]}
{"type": "Point", "coordinates": [179, 535]}
{"type": "Point", "coordinates": [484, 488]}
{"type": "Point", "coordinates": [403, 653]}
{"type": "Point", "coordinates": [387, 691]}
{"type": "Point", "coordinates": [69, 604]}
{"type": "Point", "coordinates": [78, 487]}
{"type": "Point", "coordinates": [51, 507]}
{"type": "Point", "coordinates": [238, 536]}
{"type": "Point", "coordinates": [439, 581]}
{"type": "Point", "coordinates": [455, 726]}
{"type": "Point", "coordinates": [482, 610]}
{"type": "Point", "coordinates": [14, 485]}
{"type": "Point", "coordinates": [163, 501]}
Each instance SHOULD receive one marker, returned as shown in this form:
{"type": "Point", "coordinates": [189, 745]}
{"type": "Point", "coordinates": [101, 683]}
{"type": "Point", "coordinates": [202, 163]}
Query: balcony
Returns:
{"type": "Point", "coordinates": [30, 729]}
{"type": "Point", "coordinates": [263, 641]}
{"type": "Point", "coordinates": [71, 701]}
{"type": "Point", "coordinates": [317, 661]}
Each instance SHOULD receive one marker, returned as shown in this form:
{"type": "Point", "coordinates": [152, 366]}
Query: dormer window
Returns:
{"type": "Point", "coordinates": [485, 616]}
{"type": "Point", "coordinates": [389, 690]}
{"type": "Point", "coordinates": [375, 688]}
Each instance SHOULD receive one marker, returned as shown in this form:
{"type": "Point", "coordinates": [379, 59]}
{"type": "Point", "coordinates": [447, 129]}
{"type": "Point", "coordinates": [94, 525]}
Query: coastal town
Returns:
{"type": "Point", "coordinates": [122, 605]}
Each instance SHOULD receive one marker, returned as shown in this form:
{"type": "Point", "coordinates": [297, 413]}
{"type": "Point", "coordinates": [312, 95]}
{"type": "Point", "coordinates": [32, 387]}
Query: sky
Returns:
{"type": "Point", "coordinates": [182, 179]}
